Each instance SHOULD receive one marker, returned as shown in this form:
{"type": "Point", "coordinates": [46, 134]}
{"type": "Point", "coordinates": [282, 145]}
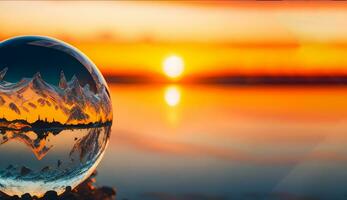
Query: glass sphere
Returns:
{"type": "Point", "coordinates": [55, 116]}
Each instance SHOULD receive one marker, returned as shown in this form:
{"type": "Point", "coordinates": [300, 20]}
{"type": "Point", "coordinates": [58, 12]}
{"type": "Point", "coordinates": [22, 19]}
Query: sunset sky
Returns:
{"type": "Point", "coordinates": [212, 38]}
{"type": "Point", "coordinates": [210, 99]}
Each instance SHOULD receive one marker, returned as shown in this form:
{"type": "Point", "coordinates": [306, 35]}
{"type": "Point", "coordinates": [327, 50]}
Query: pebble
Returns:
{"type": "Point", "coordinates": [85, 191]}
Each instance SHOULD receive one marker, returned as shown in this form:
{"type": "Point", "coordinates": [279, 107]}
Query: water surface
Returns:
{"type": "Point", "coordinates": [207, 142]}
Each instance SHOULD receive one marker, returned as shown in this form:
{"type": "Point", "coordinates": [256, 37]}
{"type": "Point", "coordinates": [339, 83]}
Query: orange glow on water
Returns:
{"type": "Point", "coordinates": [224, 122]}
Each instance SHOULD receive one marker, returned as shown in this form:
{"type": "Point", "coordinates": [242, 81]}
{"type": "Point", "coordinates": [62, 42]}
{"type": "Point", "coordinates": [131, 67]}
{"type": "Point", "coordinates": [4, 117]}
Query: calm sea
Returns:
{"type": "Point", "coordinates": [175, 142]}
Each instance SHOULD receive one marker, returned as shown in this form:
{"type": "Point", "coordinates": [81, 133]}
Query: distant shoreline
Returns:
{"type": "Point", "coordinates": [233, 80]}
{"type": "Point", "coordinates": [41, 125]}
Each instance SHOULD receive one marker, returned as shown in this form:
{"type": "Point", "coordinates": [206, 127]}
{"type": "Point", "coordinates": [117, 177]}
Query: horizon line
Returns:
{"type": "Point", "coordinates": [331, 79]}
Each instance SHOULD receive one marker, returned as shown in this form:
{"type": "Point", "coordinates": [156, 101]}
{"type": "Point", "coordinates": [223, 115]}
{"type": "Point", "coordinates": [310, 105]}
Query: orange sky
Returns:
{"type": "Point", "coordinates": [212, 38]}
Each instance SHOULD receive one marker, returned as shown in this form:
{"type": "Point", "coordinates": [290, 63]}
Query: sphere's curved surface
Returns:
{"type": "Point", "coordinates": [55, 118]}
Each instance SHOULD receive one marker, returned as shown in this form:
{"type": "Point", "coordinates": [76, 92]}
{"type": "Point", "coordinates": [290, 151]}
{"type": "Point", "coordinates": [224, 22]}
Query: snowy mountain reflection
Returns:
{"type": "Point", "coordinates": [43, 159]}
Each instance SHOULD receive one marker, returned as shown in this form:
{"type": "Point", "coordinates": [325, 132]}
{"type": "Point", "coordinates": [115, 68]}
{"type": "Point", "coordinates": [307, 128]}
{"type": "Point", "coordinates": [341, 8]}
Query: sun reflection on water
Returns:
{"type": "Point", "coordinates": [172, 95]}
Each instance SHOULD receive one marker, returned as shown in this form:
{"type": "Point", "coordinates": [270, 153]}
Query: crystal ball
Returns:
{"type": "Point", "coordinates": [55, 116]}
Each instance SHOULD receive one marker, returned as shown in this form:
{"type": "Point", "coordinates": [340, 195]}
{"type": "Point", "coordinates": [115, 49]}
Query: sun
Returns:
{"type": "Point", "coordinates": [173, 66]}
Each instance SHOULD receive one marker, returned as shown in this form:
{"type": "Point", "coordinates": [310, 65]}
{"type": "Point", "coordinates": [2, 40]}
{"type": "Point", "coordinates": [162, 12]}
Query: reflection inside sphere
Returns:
{"type": "Point", "coordinates": [55, 118]}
